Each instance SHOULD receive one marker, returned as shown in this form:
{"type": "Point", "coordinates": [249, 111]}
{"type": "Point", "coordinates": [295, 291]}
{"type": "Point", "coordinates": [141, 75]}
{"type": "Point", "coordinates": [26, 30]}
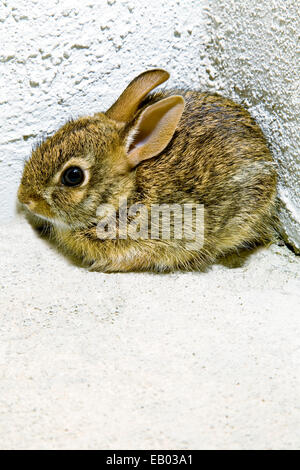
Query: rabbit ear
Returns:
{"type": "Point", "coordinates": [126, 105]}
{"type": "Point", "coordinates": [153, 129]}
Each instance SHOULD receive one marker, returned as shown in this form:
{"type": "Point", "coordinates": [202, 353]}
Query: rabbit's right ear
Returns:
{"type": "Point", "coordinates": [127, 104]}
{"type": "Point", "coordinates": [152, 130]}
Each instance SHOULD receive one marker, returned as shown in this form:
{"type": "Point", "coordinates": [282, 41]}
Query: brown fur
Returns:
{"type": "Point", "coordinates": [217, 157]}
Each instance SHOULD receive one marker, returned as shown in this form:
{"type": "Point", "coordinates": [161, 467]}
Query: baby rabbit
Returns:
{"type": "Point", "coordinates": [171, 149]}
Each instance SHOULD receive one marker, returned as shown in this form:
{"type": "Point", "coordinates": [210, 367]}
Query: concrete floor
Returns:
{"type": "Point", "coordinates": [143, 361]}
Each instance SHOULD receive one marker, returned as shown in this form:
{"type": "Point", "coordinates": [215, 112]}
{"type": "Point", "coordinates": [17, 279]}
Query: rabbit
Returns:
{"type": "Point", "coordinates": [165, 149]}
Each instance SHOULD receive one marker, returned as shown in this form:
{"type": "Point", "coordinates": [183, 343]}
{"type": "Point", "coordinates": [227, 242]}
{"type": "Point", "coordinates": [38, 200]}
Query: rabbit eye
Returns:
{"type": "Point", "coordinates": [72, 176]}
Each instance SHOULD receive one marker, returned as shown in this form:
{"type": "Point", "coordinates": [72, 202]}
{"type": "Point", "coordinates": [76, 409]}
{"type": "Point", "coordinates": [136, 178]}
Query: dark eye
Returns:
{"type": "Point", "coordinates": [72, 176]}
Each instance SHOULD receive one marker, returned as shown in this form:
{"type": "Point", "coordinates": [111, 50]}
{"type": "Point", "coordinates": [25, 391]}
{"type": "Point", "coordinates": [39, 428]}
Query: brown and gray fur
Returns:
{"type": "Point", "coordinates": [217, 156]}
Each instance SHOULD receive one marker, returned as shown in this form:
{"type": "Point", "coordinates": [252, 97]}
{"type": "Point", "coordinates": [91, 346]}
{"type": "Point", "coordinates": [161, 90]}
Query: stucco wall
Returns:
{"type": "Point", "coordinates": [63, 58]}
{"type": "Point", "coordinates": [253, 58]}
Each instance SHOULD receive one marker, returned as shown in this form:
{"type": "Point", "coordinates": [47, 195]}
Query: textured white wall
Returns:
{"type": "Point", "coordinates": [64, 58]}
{"type": "Point", "coordinates": [254, 59]}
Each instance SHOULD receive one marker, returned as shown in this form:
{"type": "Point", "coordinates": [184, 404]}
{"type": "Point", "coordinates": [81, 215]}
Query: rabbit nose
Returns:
{"type": "Point", "coordinates": [30, 204]}
{"type": "Point", "coordinates": [26, 200]}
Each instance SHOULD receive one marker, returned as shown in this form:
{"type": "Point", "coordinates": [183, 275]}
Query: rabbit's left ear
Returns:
{"type": "Point", "coordinates": [127, 104]}
{"type": "Point", "coordinates": [153, 129]}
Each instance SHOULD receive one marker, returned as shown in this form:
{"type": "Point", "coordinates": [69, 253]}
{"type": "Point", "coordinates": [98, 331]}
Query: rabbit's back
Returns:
{"type": "Point", "coordinates": [218, 157]}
